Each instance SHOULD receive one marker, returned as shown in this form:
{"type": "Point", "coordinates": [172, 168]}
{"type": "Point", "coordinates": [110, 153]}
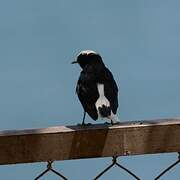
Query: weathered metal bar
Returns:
{"type": "Point", "coordinates": [76, 142]}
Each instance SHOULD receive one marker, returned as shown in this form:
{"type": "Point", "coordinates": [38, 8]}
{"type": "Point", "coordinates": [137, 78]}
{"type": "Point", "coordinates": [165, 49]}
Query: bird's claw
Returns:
{"type": "Point", "coordinates": [107, 123]}
{"type": "Point", "coordinates": [112, 123]}
{"type": "Point", "coordinates": [84, 124]}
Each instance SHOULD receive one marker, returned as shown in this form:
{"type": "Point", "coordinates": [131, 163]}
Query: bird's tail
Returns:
{"type": "Point", "coordinates": [104, 111]}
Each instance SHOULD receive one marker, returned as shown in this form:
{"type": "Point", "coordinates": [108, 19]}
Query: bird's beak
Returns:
{"type": "Point", "coordinates": [74, 62]}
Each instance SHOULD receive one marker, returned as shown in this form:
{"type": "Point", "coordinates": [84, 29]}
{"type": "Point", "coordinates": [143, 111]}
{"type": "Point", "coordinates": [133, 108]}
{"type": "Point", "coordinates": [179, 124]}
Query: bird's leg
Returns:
{"type": "Point", "coordinates": [84, 116]}
{"type": "Point", "coordinates": [114, 119]}
{"type": "Point", "coordinates": [113, 122]}
{"type": "Point", "coordinates": [110, 123]}
{"type": "Point", "coordinates": [83, 122]}
{"type": "Point", "coordinates": [111, 119]}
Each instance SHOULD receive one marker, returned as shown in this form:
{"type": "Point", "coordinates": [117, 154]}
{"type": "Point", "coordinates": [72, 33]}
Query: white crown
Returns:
{"type": "Point", "coordinates": [87, 52]}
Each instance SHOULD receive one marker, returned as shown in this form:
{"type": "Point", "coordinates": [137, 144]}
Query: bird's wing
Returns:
{"type": "Point", "coordinates": [110, 89]}
{"type": "Point", "coordinates": [87, 93]}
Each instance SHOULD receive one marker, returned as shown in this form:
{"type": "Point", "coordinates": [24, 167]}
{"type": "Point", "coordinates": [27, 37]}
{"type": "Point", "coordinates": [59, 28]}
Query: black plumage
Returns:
{"type": "Point", "coordinates": [94, 75]}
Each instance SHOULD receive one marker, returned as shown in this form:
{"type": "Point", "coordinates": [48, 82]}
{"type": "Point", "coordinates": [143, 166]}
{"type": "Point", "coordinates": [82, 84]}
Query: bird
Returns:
{"type": "Point", "coordinates": [96, 88]}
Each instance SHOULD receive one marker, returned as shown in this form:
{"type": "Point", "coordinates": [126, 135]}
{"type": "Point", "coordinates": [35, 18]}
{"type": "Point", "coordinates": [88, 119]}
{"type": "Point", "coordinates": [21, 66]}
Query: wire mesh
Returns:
{"type": "Point", "coordinates": [169, 168]}
{"type": "Point", "coordinates": [49, 168]}
{"type": "Point", "coordinates": [114, 162]}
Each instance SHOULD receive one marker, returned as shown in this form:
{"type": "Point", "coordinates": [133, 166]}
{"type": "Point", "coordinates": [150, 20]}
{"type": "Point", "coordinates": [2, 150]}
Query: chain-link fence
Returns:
{"type": "Point", "coordinates": [103, 172]}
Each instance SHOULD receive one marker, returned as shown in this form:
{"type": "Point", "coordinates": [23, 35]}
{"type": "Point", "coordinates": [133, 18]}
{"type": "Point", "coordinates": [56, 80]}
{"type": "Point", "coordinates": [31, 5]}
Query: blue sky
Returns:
{"type": "Point", "coordinates": [139, 41]}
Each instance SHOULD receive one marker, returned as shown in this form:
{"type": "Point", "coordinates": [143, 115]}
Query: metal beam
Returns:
{"type": "Point", "coordinates": [76, 142]}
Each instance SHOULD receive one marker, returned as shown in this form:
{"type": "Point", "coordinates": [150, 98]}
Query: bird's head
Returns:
{"type": "Point", "coordinates": [88, 57]}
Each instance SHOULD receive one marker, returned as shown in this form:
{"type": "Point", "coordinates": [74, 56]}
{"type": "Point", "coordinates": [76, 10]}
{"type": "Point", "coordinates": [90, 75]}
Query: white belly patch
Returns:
{"type": "Point", "coordinates": [102, 100]}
